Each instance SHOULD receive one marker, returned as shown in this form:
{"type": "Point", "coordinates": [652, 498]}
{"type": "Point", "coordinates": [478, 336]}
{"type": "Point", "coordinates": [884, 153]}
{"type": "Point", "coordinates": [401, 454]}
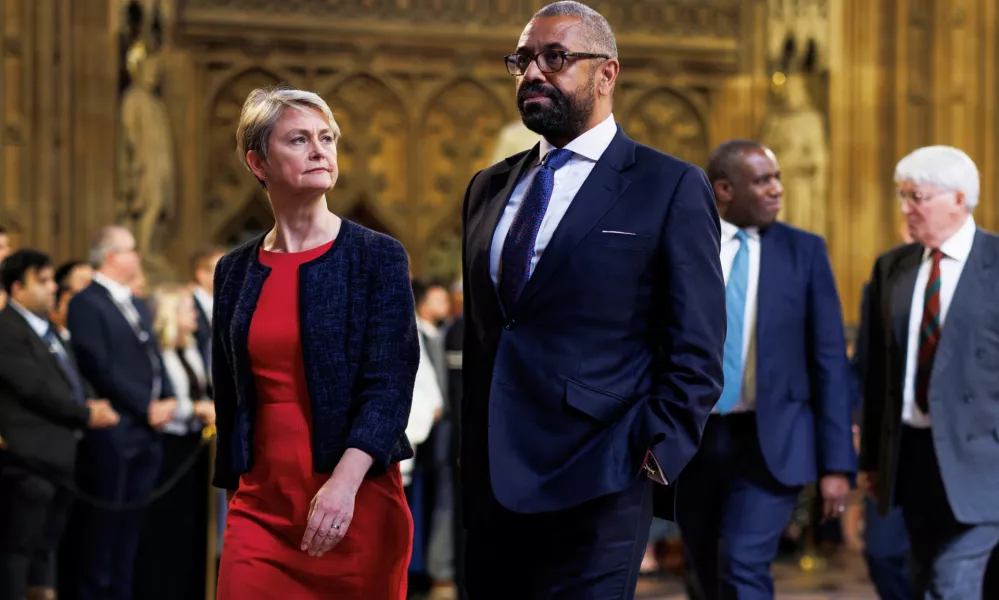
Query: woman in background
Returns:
{"type": "Point", "coordinates": [173, 550]}
{"type": "Point", "coordinates": [314, 355]}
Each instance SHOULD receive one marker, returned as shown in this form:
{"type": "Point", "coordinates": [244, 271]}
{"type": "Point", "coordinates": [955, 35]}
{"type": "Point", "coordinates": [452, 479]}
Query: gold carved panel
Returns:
{"type": "Point", "coordinates": [667, 120]}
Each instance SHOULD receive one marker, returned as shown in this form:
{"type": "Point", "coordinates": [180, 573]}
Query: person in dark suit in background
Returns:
{"type": "Point", "coordinates": [118, 354]}
{"type": "Point", "coordinates": [44, 405]}
{"type": "Point", "coordinates": [930, 436]}
{"type": "Point", "coordinates": [594, 326]}
{"type": "Point", "coordinates": [784, 418]}
{"type": "Point", "coordinates": [203, 265]}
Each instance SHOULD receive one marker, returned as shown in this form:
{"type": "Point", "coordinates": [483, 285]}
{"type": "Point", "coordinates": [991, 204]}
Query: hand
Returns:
{"type": "Point", "coordinates": [835, 491]}
{"type": "Point", "coordinates": [161, 413]}
{"type": "Point", "coordinates": [102, 416]}
{"type": "Point", "coordinates": [330, 515]}
{"type": "Point", "coordinates": [334, 503]}
{"type": "Point", "coordinates": [867, 481]}
{"type": "Point", "coordinates": [205, 410]}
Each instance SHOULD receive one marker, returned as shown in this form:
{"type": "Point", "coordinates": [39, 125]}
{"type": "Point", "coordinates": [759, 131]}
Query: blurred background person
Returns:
{"type": "Point", "coordinates": [5, 249]}
{"type": "Point", "coordinates": [315, 351]}
{"type": "Point", "coordinates": [44, 405]}
{"type": "Point", "coordinates": [173, 551]}
{"type": "Point", "coordinates": [71, 277]}
{"type": "Point", "coordinates": [112, 336]}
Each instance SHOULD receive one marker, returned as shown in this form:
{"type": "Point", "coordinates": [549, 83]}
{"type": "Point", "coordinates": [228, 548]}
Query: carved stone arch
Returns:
{"type": "Point", "coordinates": [670, 122]}
{"type": "Point", "coordinates": [362, 214]}
{"type": "Point", "coordinates": [457, 134]}
{"type": "Point", "coordinates": [248, 72]}
{"type": "Point", "coordinates": [253, 218]}
{"type": "Point", "coordinates": [373, 152]}
{"type": "Point", "coordinates": [227, 179]}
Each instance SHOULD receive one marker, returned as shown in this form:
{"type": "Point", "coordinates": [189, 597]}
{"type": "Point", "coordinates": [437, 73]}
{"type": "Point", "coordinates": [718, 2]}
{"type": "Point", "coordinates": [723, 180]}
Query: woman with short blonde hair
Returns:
{"type": "Point", "coordinates": [314, 355]}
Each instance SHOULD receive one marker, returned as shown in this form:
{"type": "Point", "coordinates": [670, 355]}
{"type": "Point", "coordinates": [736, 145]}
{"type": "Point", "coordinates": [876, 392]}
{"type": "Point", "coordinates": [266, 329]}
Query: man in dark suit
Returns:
{"type": "Point", "coordinates": [930, 437]}
{"type": "Point", "coordinates": [594, 325]}
{"type": "Point", "coordinates": [112, 336]}
{"type": "Point", "coordinates": [784, 417]}
{"type": "Point", "coordinates": [44, 405]}
{"type": "Point", "coordinates": [203, 287]}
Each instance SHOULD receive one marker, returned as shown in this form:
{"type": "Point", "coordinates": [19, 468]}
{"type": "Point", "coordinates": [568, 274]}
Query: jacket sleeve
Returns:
{"type": "Point", "coordinates": [691, 331]}
{"type": "Point", "coordinates": [829, 369]}
{"type": "Point", "coordinates": [390, 357]}
{"type": "Point", "coordinates": [224, 387]}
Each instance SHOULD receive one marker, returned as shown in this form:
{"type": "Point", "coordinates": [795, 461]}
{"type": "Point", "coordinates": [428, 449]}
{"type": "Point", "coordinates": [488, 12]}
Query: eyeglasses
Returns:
{"type": "Point", "coordinates": [914, 197]}
{"type": "Point", "coordinates": [549, 61]}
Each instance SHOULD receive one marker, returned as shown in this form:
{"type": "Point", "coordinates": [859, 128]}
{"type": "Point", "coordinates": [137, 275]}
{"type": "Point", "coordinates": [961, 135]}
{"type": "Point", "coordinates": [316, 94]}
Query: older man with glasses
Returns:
{"type": "Point", "coordinates": [930, 440]}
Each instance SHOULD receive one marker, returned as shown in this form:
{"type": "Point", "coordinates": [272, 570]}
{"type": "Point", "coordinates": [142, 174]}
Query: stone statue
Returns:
{"type": "Point", "coordinates": [513, 138]}
{"type": "Point", "coordinates": [795, 130]}
{"type": "Point", "coordinates": [147, 159]}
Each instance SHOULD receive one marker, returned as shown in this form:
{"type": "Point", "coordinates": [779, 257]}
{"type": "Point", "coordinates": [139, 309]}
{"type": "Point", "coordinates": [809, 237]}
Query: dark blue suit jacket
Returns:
{"type": "Point", "coordinates": [359, 346]}
{"type": "Point", "coordinates": [117, 365]}
{"type": "Point", "coordinates": [804, 392]}
{"type": "Point", "coordinates": [613, 348]}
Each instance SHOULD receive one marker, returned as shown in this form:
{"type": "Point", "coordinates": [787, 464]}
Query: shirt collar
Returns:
{"type": "Point", "coordinates": [40, 325]}
{"type": "Point", "coordinates": [958, 246]}
{"type": "Point", "coordinates": [121, 293]}
{"type": "Point", "coordinates": [729, 230]}
{"type": "Point", "coordinates": [590, 145]}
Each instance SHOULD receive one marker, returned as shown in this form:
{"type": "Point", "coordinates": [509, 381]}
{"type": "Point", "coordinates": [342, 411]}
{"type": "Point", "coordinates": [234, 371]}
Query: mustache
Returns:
{"type": "Point", "coordinates": [536, 87]}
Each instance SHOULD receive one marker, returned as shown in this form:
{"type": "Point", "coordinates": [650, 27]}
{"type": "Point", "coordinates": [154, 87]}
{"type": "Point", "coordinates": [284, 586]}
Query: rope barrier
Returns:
{"type": "Point", "coordinates": [207, 435]}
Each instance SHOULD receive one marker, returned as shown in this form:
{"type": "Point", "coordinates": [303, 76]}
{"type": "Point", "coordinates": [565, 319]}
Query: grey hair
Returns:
{"type": "Point", "coordinates": [263, 108]}
{"type": "Point", "coordinates": [945, 167]}
{"type": "Point", "coordinates": [104, 244]}
{"type": "Point", "coordinates": [598, 30]}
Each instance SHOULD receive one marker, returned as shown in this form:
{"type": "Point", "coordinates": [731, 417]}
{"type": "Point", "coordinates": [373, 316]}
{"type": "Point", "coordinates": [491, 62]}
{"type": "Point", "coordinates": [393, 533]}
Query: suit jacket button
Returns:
{"type": "Point", "coordinates": [967, 398]}
{"type": "Point", "coordinates": [509, 324]}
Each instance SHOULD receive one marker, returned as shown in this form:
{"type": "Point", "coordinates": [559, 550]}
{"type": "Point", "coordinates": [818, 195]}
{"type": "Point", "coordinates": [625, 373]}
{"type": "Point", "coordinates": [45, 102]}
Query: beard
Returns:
{"type": "Point", "coordinates": [564, 116]}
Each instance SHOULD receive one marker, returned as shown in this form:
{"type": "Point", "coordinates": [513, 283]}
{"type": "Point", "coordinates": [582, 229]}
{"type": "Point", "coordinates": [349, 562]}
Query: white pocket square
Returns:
{"type": "Point", "coordinates": [617, 232]}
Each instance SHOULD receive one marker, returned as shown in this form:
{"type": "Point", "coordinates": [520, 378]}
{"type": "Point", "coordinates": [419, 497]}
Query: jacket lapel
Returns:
{"type": "Point", "coordinates": [481, 239]}
{"type": "Point", "coordinates": [39, 348]}
{"type": "Point", "coordinates": [768, 286]}
{"type": "Point", "coordinates": [902, 282]}
{"type": "Point", "coordinates": [976, 282]}
{"type": "Point", "coordinates": [599, 193]}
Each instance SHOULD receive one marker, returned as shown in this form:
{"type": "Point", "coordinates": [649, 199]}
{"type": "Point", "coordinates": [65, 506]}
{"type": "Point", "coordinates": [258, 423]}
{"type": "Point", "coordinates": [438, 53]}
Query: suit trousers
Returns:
{"type": "Point", "coordinates": [732, 511]}
{"type": "Point", "coordinates": [950, 557]}
{"type": "Point", "coordinates": [588, 552]}
{"type": "Point", "coordinates": [886, 551]}
{"type": "Point", "coordinates": [33, 513]}
{"type": "Point", "coordinates": [102, 544]}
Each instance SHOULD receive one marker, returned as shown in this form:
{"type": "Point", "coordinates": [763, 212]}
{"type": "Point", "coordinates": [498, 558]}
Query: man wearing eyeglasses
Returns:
{"type": "Point", "coordinates": [930, 440]}
{"type": "Point", "coordinates": [595, 322]}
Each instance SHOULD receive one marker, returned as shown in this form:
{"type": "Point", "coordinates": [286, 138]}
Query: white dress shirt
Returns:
{"type": "Point", "coordinates": [955, 254]}
{"type": "Point", "coordinates": [184, 421]}
{"type": "Point", "coordinates": [122, 296]}
{"type": "Point", "coordinates": [587, 150]}
{"type": "Point", "coordinates": [205, 301]}
{"type": "Point", "coordinates": [729, 247]}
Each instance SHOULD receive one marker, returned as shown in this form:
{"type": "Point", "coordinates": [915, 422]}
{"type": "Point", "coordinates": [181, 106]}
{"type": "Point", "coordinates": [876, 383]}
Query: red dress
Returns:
{"type": "Point", "coordinates": [262, 556]}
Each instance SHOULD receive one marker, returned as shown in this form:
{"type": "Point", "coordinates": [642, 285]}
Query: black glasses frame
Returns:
{"type": "Point", "coordinates": [514, 61]}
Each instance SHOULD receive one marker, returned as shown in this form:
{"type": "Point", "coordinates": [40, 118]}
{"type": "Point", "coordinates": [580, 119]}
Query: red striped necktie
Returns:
{"type": "Point", "coordinates": [929, 333]}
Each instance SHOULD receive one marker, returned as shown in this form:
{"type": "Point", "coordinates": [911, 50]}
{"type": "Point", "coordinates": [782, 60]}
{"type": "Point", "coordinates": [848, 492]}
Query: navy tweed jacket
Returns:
{"type": "Point", "coordinates": [359, 346]}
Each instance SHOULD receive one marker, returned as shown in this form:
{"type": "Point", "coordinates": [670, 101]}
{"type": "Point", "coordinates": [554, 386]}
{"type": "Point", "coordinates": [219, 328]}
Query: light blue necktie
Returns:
{"type": "Point", "coordinates": [735, 308]}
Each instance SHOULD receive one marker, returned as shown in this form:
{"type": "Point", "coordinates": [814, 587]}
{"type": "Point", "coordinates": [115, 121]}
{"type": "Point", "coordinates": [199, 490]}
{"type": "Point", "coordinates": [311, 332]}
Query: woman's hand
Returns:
{"type": "Point", "coordinates": [205, 411]}
{"type": "Point", "coordinates": [332, 508]}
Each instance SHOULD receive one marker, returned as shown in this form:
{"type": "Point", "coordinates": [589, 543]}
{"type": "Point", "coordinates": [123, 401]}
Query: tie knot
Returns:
{"type": "Point", "coordinates": [556, 158]}
{"type": "Point", "coordinates": [936, 254]}
{"type": "Point", "coordinates": [742, 236]}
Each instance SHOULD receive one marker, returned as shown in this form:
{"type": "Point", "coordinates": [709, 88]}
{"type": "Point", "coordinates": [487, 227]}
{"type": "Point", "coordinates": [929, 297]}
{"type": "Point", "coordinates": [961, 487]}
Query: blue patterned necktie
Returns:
{"type": "Point", "coordinates": [735, 309]}
{"type": "Point", "coordinates": [68, 368]}
{"type": "Point", "coordinates": [518, 248]}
